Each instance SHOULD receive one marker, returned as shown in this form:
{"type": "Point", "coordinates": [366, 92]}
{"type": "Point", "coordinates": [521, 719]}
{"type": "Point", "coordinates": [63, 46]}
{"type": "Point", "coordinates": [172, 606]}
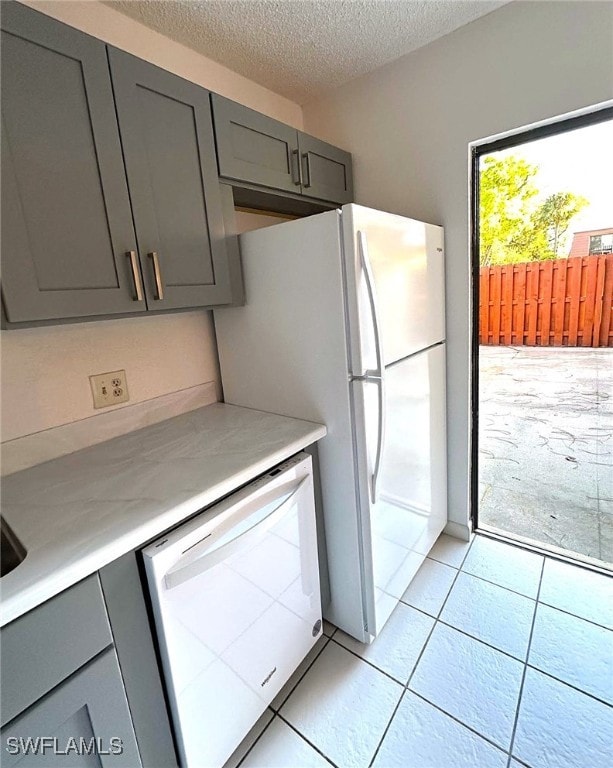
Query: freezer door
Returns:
{"type": "Point", "coordinates": [410, 509]}
{"type": "Point", "coordinates": [235, 595]}
{"type": "Point", "coordinates": [407, 265]}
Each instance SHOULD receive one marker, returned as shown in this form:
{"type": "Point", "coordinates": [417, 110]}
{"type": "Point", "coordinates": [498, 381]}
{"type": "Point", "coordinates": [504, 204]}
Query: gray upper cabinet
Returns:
{"type": "Point", "coordinates": [254, 148]}
{"type": "Point", "coordinates": [111, 199]}
{"type": "Point", "coordinates": [325, 170]}
{"type": "Point", "coordinates": [67, 224]}
{"type": "Point", "coordinates": [258, 150]}
{"type": "Point", "coordinates": [169, 151]}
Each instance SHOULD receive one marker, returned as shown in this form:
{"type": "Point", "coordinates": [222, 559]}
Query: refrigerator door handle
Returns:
{"type": "Point", "coordinates": [380, 382]}
{"type": "Point", "coordinates": [372, 300]}
{"type": "Point", "coordinates": [378, 375]}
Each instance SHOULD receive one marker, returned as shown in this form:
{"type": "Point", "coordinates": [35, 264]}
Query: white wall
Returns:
{"type": "Point", "coordinates": [409, 124]}
{"type": "Point", "coordinates": [247, 221]}
{"type": "Point", "coordinates": [45, 370]}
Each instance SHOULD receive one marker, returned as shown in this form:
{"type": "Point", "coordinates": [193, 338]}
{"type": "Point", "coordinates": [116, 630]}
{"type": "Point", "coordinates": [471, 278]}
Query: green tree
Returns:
{"type": "Point", "coordinates": [553, 216]}
{"type": "Point", "coordinates": [529, 243]}
{"type": "Point", "coordinates": [506, 190]}
{"type": "Point", "coordinates": [513, 225]}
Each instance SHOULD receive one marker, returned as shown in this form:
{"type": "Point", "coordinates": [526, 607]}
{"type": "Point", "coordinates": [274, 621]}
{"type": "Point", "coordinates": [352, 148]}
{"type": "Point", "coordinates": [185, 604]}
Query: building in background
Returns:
{"type": "Point", "coordinates": [592, 242]}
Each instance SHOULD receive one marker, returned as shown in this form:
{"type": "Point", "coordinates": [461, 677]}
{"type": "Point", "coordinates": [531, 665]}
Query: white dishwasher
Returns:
{"type": "Point", "coordinates": [236, 602]}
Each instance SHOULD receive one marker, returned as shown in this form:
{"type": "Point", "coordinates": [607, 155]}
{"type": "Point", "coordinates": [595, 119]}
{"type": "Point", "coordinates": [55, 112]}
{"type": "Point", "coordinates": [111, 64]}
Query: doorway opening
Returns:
{"type": "Point", "coordinates": [542, 346]}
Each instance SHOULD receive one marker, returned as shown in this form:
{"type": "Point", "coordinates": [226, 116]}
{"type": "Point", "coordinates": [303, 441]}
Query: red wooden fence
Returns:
{"type": "Point", "coordinates": [566, 302]}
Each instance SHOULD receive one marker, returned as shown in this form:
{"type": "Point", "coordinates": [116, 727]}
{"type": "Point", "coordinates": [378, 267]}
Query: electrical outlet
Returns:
{"type": "Point", "coordinates": [109, 388]}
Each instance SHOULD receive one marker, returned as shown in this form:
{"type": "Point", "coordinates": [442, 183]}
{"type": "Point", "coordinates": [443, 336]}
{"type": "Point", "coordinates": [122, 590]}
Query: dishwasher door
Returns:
{"type": "Point", "coordinates": [236, 603]}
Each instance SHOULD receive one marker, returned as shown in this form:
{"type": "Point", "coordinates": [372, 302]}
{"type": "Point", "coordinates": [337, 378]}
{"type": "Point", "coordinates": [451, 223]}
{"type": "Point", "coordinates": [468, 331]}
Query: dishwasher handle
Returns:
{"type": "Point", "coordinates": [198, 560]}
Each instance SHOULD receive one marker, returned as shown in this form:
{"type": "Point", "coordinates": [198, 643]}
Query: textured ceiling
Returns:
{"type": "Point", "coordinates": [303, 48]}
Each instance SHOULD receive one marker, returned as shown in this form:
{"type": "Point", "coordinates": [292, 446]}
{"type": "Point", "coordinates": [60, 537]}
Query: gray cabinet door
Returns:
{"type": "Point", "coordinates": [45, 646]}
{"type": "Point", "coordinates": [326, 170]}
{"type": "Point", "coordinates": [169, 150]}
{"type": "Point", "coordinates": [254, 148]}
{"type": "Point", "coordinates": [258, 150]}
{"type": "Point", "coordinates": [84, 722]}
{"type": "Point", "coordinates": [66, 220]}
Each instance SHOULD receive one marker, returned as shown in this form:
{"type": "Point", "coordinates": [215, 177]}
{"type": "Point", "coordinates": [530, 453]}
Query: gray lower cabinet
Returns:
{"type": "Point", "coordinates": [134, 644]}
{"type": "Point", "coordinates": [85, 721]}
{"type": "Point", "coordinates": [169, 150]}
{"type": "Point", "coordinates": [66, 219]}
{"type": "Point", "coordinates": [80, 681]}
{"type": "Point", "coordinates": [45, 646]}
{"type": "Point", "coordinates": [63, 697]}
{"type": "Point", "coordinates": [258, 150]}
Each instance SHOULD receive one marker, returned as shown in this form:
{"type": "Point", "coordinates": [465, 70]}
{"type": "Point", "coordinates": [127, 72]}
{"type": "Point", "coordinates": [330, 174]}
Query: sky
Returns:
{"type": "Point", "coordinates": [579, 161]}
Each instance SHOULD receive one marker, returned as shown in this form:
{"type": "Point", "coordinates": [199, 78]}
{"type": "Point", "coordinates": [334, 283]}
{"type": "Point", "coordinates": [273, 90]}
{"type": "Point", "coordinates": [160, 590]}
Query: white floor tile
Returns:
{"type": "Point", "coordinates": [505, 565]}
{"type": "Point", "coordinates": [249, 740]}
{"type": "Point", "coordinates": [343, 706]}
{"type": "Point", "coordinates": [279, 699]}
{"type": "Point", "coordinates": [559, 727]}
{"type": "Point", "coordinates": [449, 550]}
{"type": "Point", "coordinates": [430, 587]}
{"type": "Point", "coordinates": [476, 684]}
{"type": "Point", "coordinates": [490, 613]}
{"type": "Point", "coordinates": [422, 736]}
{"type": "Point", "coordinates": [397, 648]}
{"type": "Point", "coordinates": [573, 650]}
{"type": "Point", "coordinates": [578, 591]}
{"type": "Point", "coordinates": [280, 746]}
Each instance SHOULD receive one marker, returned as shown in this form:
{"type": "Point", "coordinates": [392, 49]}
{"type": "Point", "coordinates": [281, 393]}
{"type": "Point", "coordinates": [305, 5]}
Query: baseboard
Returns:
{"type": "Point", "coordinates": [458, 530]}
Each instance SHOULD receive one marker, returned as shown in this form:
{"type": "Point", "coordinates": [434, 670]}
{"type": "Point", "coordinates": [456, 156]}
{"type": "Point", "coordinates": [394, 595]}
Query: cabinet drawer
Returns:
{"type": "Point", "coordinates": [46, 645]}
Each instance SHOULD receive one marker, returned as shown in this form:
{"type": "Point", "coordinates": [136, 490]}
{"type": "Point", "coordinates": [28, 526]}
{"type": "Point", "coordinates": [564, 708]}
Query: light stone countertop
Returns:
{"type": "Point", "coordinates": [77, 513]}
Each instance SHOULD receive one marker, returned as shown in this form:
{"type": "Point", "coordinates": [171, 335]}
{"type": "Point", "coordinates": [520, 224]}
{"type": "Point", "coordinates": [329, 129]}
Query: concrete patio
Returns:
{"type": "Point", "coordinates": [546, 444]}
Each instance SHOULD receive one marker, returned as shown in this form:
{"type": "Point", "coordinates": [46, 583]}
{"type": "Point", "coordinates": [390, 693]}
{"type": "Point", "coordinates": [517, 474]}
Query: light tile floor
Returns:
{"type": "Point", "coordinates": [496, 658]}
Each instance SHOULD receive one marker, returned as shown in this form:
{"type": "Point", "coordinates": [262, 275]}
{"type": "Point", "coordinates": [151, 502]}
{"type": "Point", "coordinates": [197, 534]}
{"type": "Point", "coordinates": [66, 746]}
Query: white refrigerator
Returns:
{"type": "Point", "coordinates": [344, 324]}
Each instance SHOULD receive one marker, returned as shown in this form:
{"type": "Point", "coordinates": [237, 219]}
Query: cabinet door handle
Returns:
{"type": "Point", "coordinates": [296, 170]}
{"type": "Point", "coordinates": [138, 286]}
{"type": "Point", "coordinates": [159, 288]}
{"type": "Point", "coordinates": [307, 170]}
